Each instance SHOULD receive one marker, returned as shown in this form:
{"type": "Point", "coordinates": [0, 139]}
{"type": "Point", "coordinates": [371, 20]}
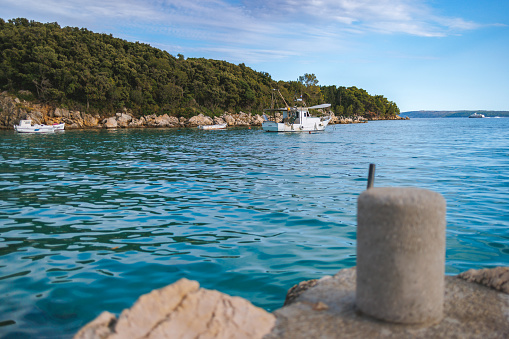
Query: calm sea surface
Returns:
{"type": "Point", "coordinates": [91, 220]}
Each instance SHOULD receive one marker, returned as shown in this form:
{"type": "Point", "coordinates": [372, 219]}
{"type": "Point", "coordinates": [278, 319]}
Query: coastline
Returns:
{"type": "Point", "coordinates": [12, 110]}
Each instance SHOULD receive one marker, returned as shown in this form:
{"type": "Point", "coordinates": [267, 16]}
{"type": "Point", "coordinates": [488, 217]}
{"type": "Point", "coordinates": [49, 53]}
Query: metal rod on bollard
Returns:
{"type": "Point", "coordinates": [371, 176]}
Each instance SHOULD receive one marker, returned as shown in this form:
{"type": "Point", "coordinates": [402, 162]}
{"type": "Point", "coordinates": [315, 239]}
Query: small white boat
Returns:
{"type": "Point", "coordinates": [59, 127]}
{"type": "Point", "coordinates": [217, 126]}
{"type": "Point", "coordinates": [25, 126]}
{"type": "Point", "coordinates": [477, 115]}
{"type": "Point", "coordinates": [295, 119]}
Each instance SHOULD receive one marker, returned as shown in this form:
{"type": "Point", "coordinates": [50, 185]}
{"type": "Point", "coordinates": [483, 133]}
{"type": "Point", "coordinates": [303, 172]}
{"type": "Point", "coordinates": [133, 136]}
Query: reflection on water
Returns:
{"type": "Point", "coordinates": [90, 220]}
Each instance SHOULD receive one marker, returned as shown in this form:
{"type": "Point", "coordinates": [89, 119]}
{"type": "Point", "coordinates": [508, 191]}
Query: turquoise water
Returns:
{"type": "Point", "coordinates": [91, 220]}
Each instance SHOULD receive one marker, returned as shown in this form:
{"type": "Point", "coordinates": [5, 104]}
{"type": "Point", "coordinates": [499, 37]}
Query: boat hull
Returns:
{"type": "Point", "coordinates": [311, 125]}
{"type": "Point", "coordinates": [25, 126]}
{"type": "Point", "coordinates": [211, 127]}
{"type": "Point", "coordinates": [59, 127]}
{"type": "Point", "coordinates": [35, 129]}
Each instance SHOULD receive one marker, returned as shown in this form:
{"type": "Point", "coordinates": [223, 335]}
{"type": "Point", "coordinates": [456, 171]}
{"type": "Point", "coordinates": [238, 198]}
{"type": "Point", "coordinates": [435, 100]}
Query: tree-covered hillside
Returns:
{"type": "Point", "coordinates": [356, 101]}
{"type": "Point", "coordinates": [79, 69]}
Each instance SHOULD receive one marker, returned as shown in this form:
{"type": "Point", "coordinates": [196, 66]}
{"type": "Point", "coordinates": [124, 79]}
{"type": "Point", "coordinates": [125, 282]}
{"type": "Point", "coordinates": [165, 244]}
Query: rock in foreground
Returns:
{"type": "Point", "coordinates": [183, 310]}
{"type": "Point", "coordinates": [323, 308]}
{"type": "Point", "coordinates": [496, 278]}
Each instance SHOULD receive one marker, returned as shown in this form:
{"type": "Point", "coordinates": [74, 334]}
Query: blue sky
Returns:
{"type": "Point", "coordinates": [423, 55]}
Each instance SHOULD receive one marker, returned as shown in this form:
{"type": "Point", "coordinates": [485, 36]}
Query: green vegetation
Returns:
{"type": "Point", "coordinates": [79, 69]}
{"type": "Point", "coordinates": [356, 101]}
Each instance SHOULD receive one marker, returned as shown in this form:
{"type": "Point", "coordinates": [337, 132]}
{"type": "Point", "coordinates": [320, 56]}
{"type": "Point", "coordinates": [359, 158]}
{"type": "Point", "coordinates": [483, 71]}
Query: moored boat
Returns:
{"type": "Point", "coordinates": [217, 126]}
{"type": "Point", "coordinates": [59, 127]}
{"type": "Point", "coordinates": [25, 126]}
{"type": "Point", "coordinates": [295, 119]}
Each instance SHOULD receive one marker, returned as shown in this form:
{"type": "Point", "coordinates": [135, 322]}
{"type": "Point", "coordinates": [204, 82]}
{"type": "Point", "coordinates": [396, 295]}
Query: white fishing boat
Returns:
{"type": "Point", "coordinates": [295, 119]}
{"type": "Point", "coordinates": [25, 126]}
{"type": "Point", "coordinates": [477, 115]}
{"type": "Point", "coordinates": [217, 126]}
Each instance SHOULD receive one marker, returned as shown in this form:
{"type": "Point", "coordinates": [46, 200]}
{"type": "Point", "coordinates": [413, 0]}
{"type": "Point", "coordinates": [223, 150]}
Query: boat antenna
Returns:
{"type": "Point", "coordinates": [272, 98]}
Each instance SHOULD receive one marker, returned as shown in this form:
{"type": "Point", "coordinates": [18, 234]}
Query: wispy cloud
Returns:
{"type": "Point", "coordinates": [256, 27]}
{"type": "Point", "coordinates": [411, 17]}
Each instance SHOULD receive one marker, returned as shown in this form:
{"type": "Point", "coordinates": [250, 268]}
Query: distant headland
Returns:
{"type": "Point", "coordinates": [452, 114]}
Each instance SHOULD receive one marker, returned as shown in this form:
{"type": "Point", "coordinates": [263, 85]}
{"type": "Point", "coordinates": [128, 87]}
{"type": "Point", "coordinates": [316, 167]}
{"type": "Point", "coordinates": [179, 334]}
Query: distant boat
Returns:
{"type": "Point", "coordinates": [477, 115]}
{"type": "Point", "coordinates": [25, 126]}
{"type": "Point", "coordinates": [295, 119]}
{"type": "Point", "coordinates": [209, 127]}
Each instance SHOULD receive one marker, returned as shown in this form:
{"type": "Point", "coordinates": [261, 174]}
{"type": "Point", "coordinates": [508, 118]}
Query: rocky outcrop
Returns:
{"type": "Point", "coordinates": [395, 117]}
{"type": "Point", "coordinates": [219, 121]}
{"type": "Point", "coordinates": [294, 292]}
{"type": "Point", "coordinates": [240, 119]}
{"type": "Point", "coordinates": [90, 121]}
{"type": "Point", "coordinates": [199, 120]}
{"type": "Point", "coordinates": [229, 119]}
{"type": "Point", "coordinates": [347, 120]}
{"type": "Point", "coordinates": [110, 123]}
{"type": "Point", "coordinates": [12, 110]}
{"type": "Point", "coordinates": [123, 119]}
{"type": "Point", "coordinates": [496, 278]}
{"type": "Point", "coordinates": [167, 121]}
{"type": "Point", "coordinates": [126, 120]}
{"type": "Point", "coordinates": [183, 310]}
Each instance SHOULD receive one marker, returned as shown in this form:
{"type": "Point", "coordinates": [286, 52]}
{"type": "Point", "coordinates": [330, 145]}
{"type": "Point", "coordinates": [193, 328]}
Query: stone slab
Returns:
{"type": "Point", "coordinates": [327, 310]}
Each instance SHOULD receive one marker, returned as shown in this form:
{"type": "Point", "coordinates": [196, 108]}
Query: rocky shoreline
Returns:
{"type": "Point", "coordinates": [12, 110]}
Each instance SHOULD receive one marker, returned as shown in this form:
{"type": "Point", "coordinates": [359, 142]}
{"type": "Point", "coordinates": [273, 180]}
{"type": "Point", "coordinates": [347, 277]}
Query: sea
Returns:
{"type": "Point", "coordinates": [90, 220]}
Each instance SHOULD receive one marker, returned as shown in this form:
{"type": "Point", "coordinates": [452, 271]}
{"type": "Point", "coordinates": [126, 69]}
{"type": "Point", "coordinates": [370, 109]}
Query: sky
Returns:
{"type": "Point", "coordinates": [421, 54]}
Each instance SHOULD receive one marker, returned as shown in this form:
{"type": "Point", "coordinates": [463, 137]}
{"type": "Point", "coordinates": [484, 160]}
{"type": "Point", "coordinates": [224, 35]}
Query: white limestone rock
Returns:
{"type": "Point", "coordinates": [111, 123]}
{"type": "Point", "coordinates": [183, 310]}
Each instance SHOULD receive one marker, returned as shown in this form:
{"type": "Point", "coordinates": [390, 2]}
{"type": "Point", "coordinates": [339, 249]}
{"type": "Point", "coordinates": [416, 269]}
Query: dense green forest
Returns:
{"type": "Point", "coordinates": [76, 68]}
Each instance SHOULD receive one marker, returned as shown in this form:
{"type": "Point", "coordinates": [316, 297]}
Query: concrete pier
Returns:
{"type": "Point", "coordinates": [401, 254]}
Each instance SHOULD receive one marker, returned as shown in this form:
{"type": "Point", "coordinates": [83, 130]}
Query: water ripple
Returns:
{"type": "Point", "coordinates": [90, 220]}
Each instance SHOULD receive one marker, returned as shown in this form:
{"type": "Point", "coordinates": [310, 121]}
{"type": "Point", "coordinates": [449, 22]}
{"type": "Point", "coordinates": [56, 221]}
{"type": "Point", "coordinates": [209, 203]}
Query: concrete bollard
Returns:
{"type": "Point", "coordinates": [401, 254]}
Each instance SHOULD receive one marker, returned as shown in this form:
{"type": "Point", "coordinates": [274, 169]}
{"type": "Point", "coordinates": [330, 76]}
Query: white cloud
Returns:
{"type": "Point", "coordinates": [390, 16]}
{"type": "Point", "coordinates": [258, 28]}
{"type": "Point", "coordinates": [411, 17]}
